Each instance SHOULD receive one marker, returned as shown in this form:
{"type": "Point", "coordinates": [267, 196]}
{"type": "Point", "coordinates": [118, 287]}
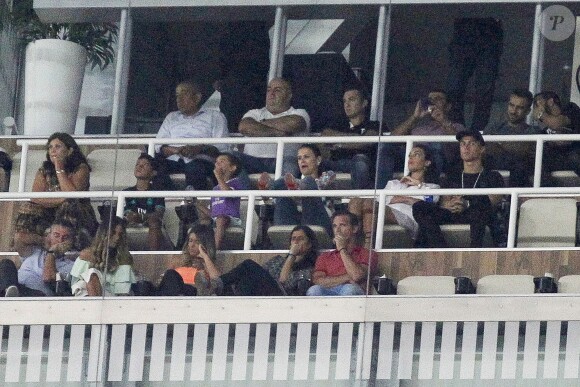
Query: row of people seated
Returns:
{"type": "Point", "coordinates": [431, 116]}
{"type": "Point", "coordinates": [38, 214]}
{"type": "Point", "coordinates": [66, 168]}
{"type": "Point", "coordinates": [105, 267]}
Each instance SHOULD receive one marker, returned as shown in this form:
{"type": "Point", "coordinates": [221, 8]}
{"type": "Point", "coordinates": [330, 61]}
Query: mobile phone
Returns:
{"type": "Point", "coordinates": [426, 104]}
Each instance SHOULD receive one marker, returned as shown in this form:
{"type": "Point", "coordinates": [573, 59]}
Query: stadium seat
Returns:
{"type": "Point", "coordinates": [34, 161]}
{"type": "Point", "coordinates": [569, 284]}
{"type": "Point", "coordinates": [546, 222]}
{"type": "Point", "coordinates": [456, 235]}
{"type": "Point", "coordinates": [104, 161]}
{"type": "Point", "coordinates": [426, 285]}
{"type": "Point", "coordinates": [342, 181]}
{"type": "Point", "coordinates": [506, 284]}
{"type": "Point", "coordinates": [566, 178]}
{"type": "Point", "coordinates": [396, 237]}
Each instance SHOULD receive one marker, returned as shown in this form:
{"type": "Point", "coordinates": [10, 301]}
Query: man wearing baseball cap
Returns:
{"type": "Point", "coordinates": [475, 210]}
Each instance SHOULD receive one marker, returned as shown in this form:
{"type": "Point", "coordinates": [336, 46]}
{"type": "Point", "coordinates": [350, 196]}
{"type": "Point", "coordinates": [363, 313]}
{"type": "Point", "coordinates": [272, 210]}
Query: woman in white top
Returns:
{"type": "Point", "coordinates": [400, 207]}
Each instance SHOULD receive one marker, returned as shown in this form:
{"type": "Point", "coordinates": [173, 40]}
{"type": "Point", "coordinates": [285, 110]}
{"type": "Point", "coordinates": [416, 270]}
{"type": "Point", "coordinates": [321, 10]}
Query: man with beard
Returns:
{"type": "Point", "coordinates": [516, 157]}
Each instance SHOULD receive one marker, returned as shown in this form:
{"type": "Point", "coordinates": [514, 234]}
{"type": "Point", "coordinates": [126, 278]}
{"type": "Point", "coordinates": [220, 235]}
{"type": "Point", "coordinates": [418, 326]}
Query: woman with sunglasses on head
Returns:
{"type": "Point", "coordinates": [106, 266]}
{"type": "Point", "coordinates": [313, 209]}
{"type": "Point", "coordinates": [399, 208]}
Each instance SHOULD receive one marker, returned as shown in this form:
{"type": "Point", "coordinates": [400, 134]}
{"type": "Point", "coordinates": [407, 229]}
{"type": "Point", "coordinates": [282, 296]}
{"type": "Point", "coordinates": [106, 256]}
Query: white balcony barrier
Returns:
{"type": "Point", "coordinates": [539, 139]}
{"type": "Point", "coordinates": [281, 141]}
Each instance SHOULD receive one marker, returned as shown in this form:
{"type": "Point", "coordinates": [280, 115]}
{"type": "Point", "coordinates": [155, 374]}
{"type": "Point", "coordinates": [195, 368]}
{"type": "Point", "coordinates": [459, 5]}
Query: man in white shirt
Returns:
{"type": "Point", "coordinates": [191, 121]}
{"type": "Point", "coordinates": [277, 119]}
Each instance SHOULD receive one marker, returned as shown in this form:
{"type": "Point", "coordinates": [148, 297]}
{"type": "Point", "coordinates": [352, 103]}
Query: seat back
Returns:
{"type": "Point", "coordinates": [426, 285]}
{"type": "Point", "coordinates": [506, 284]}
{"type": "Point", "coordinates": [547, 222]}
{"type": "Point", "coordinates": [569, 284]}
{"type": "Point", "coordinates": [35, 158]}
{"type": "Point", "coordinates": [105, 161]}
{"type": "Point", "coordinates": [456, 235]}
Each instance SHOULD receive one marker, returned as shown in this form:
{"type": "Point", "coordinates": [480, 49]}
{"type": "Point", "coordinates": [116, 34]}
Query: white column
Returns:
{"type": "Point", "coordinates": [380, 68]}
{"type": "Point", "coordinates": [121, 72]}
{"type": "Point", "coordinates": [278, 45]}
{"type": "Point", "coordinates": [537, 64]}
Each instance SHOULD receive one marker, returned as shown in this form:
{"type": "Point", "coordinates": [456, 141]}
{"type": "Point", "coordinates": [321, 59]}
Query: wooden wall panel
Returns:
{"type": "Point", "coordinates": [398, 265]}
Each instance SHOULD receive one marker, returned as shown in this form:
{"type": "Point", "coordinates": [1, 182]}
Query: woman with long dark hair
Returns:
{"type": "Point", "coordinates": [279, 276]}
{"type": "Point", "coordinates": [313, 209]}
{"type": "Point", "coordinates": [399, 208]}
{"type": "Point", "coordinates": [106, 266]}
{"type": "Point", "coordinates": [66, 169]}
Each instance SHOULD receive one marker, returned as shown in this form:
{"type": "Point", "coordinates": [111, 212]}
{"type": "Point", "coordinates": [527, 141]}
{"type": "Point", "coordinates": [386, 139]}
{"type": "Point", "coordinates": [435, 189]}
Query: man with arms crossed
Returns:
{"type": "Point", "coordinates": [343, 271]}
{"type": "Point", "coordinates": [277, 119]}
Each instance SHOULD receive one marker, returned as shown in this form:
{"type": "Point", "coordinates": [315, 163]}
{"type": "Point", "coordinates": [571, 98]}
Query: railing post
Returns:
{"type": "Point", "coordinates": [249, 222]}
{"type": "Point", "coordinates": [511, 242]}
{"type": "Point", "coordinates": [380, 221]}
{"type": "Point", "coordinates": [23, 162]}
{"type": "Point", "coordinates": [408, 147]}
{"type": "Point", "coordinates": [120, 204]}
{"type": "Point", "coordinates": [279, 159]}
{"type": "Point", "coordinates": [538, 163]}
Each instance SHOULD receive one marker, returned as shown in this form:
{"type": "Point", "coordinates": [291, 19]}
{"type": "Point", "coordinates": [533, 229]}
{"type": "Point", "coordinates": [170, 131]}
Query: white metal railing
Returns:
{"type": "Point", "coordinates": [120, 197]}
{"type": "Point", "coordinates": [281, 141]}
{"type": "Point", "coordinates": [539, 139]}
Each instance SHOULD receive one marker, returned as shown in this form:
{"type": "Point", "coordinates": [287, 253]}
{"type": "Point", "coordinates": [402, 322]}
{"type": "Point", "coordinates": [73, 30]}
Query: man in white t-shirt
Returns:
{"type": "Point", "coordinates": [192, 121]}
{"type": "Point", "coordinates": [277, 119]}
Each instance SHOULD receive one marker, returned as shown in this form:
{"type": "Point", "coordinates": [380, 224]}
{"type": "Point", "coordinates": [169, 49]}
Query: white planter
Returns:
{"type": "Point", "coordinates": [53, 82]}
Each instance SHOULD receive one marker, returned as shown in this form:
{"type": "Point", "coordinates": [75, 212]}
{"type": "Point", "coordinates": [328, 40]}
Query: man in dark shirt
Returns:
{"type": "Point", "coordinates": [146, 211]}
{"type": "Point", "coordinates": [556, 118]}
{"type": "Point", "coordinates": [516, 157]}
{"type": "Point", "coordinates": [478, 210]}
{"type": "Point", "coordinates": [356, 158]}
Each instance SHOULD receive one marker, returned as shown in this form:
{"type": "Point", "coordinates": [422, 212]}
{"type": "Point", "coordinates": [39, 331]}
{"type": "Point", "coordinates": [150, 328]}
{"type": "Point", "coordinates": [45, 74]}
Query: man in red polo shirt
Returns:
{"type": "Point", "coordinates": [343, 271]}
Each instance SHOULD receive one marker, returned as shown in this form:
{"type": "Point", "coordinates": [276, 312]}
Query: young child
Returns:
{"type": "Point", "coordinates": [226, 211]}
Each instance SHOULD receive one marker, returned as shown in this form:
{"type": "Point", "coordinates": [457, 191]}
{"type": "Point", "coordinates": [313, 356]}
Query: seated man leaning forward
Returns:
{"type": "Point", "coordinates": [356, 158]}
{"type": "Point", "coordinates": [516, 157]}
{"type": "Point", "coordinates": [478, 211]}
{"type": "Point", "coordinates": [277, 119]}
{"type": "Point", "coordinates": [343, 271]}
{"type": "Point", "coordinates": [38, 273]}
{"type": "Point", "coordinates": [192, 121]}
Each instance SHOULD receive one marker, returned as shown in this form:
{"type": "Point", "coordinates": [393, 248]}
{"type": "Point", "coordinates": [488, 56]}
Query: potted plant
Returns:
{"type": "Point", "coordinates": [56, 57]}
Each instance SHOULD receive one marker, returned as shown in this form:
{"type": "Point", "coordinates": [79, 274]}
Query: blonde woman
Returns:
{"type": "Point", "coordinates": [106, 266]}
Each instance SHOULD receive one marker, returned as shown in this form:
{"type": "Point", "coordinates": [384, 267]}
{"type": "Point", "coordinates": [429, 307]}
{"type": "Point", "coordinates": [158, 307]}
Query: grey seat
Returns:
{"type": "Point", "coordinates": [426, 285]}
{"type": "Point", "coordinates": [547, 222]}
{"type": "Point", "coordinates": [34, 161]}
{"type": "Point", "coordinates": [506, 284]}
{"type": "Point", "coordinates": [104, 161]}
